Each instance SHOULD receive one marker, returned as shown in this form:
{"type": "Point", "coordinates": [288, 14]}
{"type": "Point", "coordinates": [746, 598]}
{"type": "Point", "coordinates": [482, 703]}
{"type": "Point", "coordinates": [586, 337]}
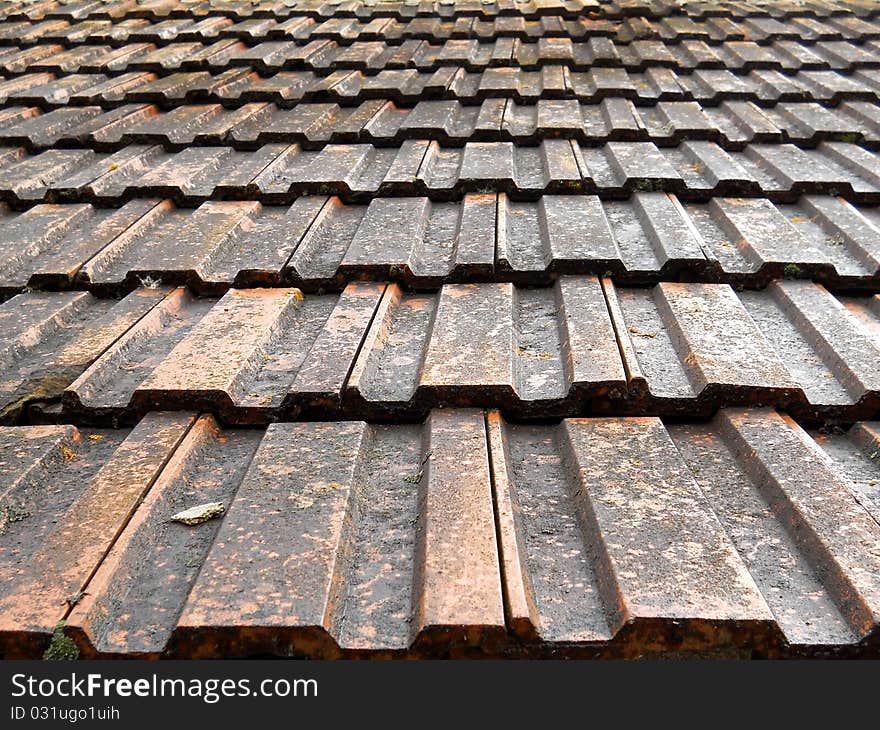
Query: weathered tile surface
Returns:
{"type": "Point", "coordinates": [537, 350]}
{"type": "Point", "coordinates": [407, 557]}
{"type": "Point", "coordinates": [326, 52]}
{"type": "Point", "coordinates": [722, 93]}
{"type": "Point", "coordinates": [62, 511]}
{"type": "Point", "coordinates": [246, 356]}
{"type": "Point", "coordinates": [793, 344]}
{"type": "Point", "coordinates": [733, 125]}
{"type": "Point", "coordinates": [50, 339]}
{"type": "Point", "coordinates": [616, 537]}
{"type": "Point", "coordinates": [698, 36]}
{"type": "Point", "coordinates": [753, 478]}
{"type": "Point", "coordinates": [408, 287]}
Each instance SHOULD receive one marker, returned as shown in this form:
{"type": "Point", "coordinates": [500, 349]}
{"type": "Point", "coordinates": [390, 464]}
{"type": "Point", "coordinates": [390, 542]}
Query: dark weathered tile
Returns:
{"type": "Point", "coordinates": [607, 539]}
{"type": "Point", "coordinates": [320, 243]}
{"type": "Point", "coordinates": [806, 542]}
{"type": "Point", "coordinates": [52, 338]}
{"type": "Point", "coordinates": [359, 492]}
{"type": "Point", "coordinates": [689, 343]}
{"type": "Point", "coordinates": [539, 351]}
{"type": "Point", "coordinates": [249, 356]}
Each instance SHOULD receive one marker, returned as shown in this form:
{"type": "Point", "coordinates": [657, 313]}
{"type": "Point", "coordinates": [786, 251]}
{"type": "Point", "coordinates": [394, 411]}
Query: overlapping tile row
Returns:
{"type": "Point", "coordinates": [615, 537]}
{"type": "Point", "coordinates": [303, 28]}
{"type": "Point", "coordinates": [279, 173]}
{"type": "Point", "coordinates": [161, 10]}
{"type": "Point", "coordinates": [406, 9]}
{"type": "Point", "coordinates": [738, 9]}
{"type": "Point", "coordinates": [582, 347]}
{"type": "Point", "coordinates": [758, 29]}
{"type": "Point", "coordinates": [733, 125]}
{"type": "Point", "coordinates": [792, 344]}
{"type": "Point", "coordinates": [351, 548]}
{"type": "Point", "coordinates": [239, 86]}
{"type": "Point", "coordinates": [324, 56]}
{"type": "Point", "coordinates": [386, 29]}
{"type": "Point", "coordinates": [321, 244]}
{"type": "Point", "coordinates": [344, 31]}
{"type": "Point", "coordinates": [244, 9]}
{"type": "Point", "coordinates": [376, 351]}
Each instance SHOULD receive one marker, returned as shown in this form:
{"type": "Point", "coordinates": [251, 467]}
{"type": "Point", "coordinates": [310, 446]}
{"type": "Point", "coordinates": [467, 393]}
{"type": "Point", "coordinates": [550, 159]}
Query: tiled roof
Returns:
{"type": "Point", "coordinates": [237, 87]}
{"type": "Point", "coordinates": [498, 328]}
{"type": "Point", "coordinates": [733, 126]}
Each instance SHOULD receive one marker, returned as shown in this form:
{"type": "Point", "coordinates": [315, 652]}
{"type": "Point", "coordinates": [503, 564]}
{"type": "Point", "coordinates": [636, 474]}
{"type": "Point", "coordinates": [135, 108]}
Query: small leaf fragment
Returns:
{"type": "Point", "coordinates": [200, 513]}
